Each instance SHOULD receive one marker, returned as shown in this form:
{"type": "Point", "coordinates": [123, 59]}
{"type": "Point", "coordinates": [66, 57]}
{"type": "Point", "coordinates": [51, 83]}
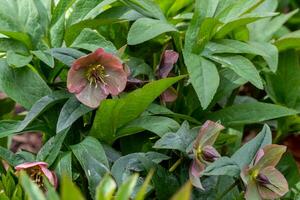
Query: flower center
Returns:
{"type": "Point", "coordinates": [96, 74]}
{"type": "Point", "coordinates": [36, 175]}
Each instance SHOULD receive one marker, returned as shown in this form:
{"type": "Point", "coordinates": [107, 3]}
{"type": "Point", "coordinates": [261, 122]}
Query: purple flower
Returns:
{"type": "Point", "coordinates": [36, 171]}
{"type": "Point", "coordinates": [94, 76]}
{"type": "Point", "coordinates": [203, 151]}
{"type": "Point", "coordinates": [168, 59]}
{"type": "Point", "coordinates": [262, 179]}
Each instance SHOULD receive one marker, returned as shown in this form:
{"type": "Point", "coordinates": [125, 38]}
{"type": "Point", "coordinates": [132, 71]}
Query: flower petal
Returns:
{"type": "Point", "coordinates": [252, 191]}
{"type": "Point", "coordinates": [272, 155]}
{"type": "Point", "coordinates": [210, 154]}
{"type": "Point", "coordinates": [169, 58]}
{"type": "Point", "coordinates": [49, 175]}
{"type": "Point", "coordinates": [76, 80]}
{"type": "Point", "coordinates": [30, 164]}
{"type": "Point", "coordinates": [116, 80]}
{"type": "Point", "coordinates": [208, 134]}
{"type": "Point", "coordinates": [91, 96]}
{"type": "Point", "coordinates": [85, 61]}
{"type": "Point", "coordinates": [278, 184]}
{"type": "Point", "coordinates": [260, 153]}
{"type": "Point", "coordinates": [169, 95]}
{"type": "Point", "coordinates": [195, 173]}
{"type": "Point", "coordinates": [109, 60]}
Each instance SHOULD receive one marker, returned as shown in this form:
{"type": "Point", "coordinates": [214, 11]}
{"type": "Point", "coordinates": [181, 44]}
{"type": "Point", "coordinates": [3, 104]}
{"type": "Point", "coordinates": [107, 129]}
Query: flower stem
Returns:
{"type": "Point", "coordinates": [176, 164]}
{"type": "Point", "coordinates": [219, 197]}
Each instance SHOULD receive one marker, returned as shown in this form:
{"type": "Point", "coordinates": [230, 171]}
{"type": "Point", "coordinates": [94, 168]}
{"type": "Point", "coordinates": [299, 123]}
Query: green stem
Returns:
{"type": "Point", "coordinates": [176, 164]}
{"type": "Point", "coordinates": [227, 190]}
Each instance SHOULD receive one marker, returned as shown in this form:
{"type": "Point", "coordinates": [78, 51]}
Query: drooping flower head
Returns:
{"type": "Point", "coordinates": [262, 179]}
{"type": "Point", "coordinates": [37, 171]}
{"type": "Point", "coordinates": [168, 60]}
{"type": "Point", "coordinates": [203, 151]}
{"type": "Point", "coordinates": [94, 76]}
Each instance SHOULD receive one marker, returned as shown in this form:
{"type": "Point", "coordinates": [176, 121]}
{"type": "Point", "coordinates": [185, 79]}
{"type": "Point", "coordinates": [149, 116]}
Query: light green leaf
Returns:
{"type": "Point", "coordinates": [17, 60]}
{"type": "Point", "coordinates": [7, 44]}
{"type": "Point", "coordinates": [222, 166]}
{"type": "Point", "coordinates": [145, 29]}
{"type": "Point", "coordinates": [71, 111]}
{"type": "Point", "coordinates": [184, 193]}
{"type": "Point", "coordinates": [249, 113]}
{"type": "Point", "coordinates": [241, 66]}
{"type": "Point", "coordinates": [31, 189]}
{"type": "Point", "coordinates": [126, 188]}
{"type": "Point", "coordinates": [106, 188]}
{"type": "Point", "coordinates": [22, 85]}
{"type": "Point", "coordinates": [118, 112]}
{"type": "Point", "coordinates": [156, 124]}
{"type": "Point", "coordinates": [141, 194]}
{"type": "Point", "coordinates": [288, 41]}
{"type": "Point", "coordinates": [63, 165]}
{"type": "Point", "coordinates": [45, 57]}
{"type": "Point", "coordinates": [92, 158]}
{"type": "Point", "coordinates": [69, 190]}
{"type": "Point", "coordinates": [204, 77]}
{"type": "Point", "coordinates": [92, 40]}
{"type": "Point", "coordinates": [247, 152]}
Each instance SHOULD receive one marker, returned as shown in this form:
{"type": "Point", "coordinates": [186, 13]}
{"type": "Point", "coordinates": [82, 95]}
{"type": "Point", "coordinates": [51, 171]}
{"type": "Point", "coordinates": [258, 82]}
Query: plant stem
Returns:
{"type": "Point", "coordinates": [227, 190]}
{"type": "Point", "coordinates": [175, 165]}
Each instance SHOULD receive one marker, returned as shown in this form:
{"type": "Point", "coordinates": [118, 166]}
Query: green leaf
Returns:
{"type": "Point", "coordinates": [146, 8]}
{"type": "Point", "coordinates": [92, 158]}
{"type": "Point", "coordinates": [268, 51]}
{"type": "Point", "coordinates": [177, 5]}
{"type": "Point", "coordinates": [45, 57]}
{"type": "Point", "coordinates": [7, 44]}
{"type": "Point", "coordinates": [126, 188]}
{"type": "Point", "coordinates": [40, 106]}
{"type": "Point", "coordinates": [118, 112]}
{"type": "Point", "coordinates": [63, 165]}
{"type": "Point", "coordinates": [288, 41]}
{"type": "Point", "coordinates": [247, 152]}
{"type": "Point", "coordinates": [69, 190]}
{"type": "Point", "coordinates": [17, 60]}
{"type": "Point", "coordinates": [203, 76]}
{"type": "Point", "coordinates": [241, 66]}
{"type": "Point", "coordinates": [91, 40]}
{"type": "Point", "coordinates": [57, 32]}
{"type": "Point", "coordinates": [143, 190]}
{"type": "Point", "coordinates": [156, 124]}
{"type": "Point", "coordinates": [66, 55]}
{"type": "Point", "coordinates": [284, 86]}
{"type": "Point", "coordinates": [50, 150]}
{"type": "Point", "coordinates": [241, 21]}
{"type": "Point", "coordinates": [80, 9]}
{"type": "Point", "coordinates": [249, 113]}
{"type": "Point", "coordinates": [145, 29]}
{"type": "Point", "coordinates": [31, 189]}
{"type": "Point", "coordinates": [222, 166]}
{"type": "Point", "coordinates": [106, 188]}
{"type": "Point", "coordinates": [10, 157]}
{"type": "Point", "coordinates": [22, 85]}
{"type": "Point", "coordinates": [179, 140]}
{"type": "Point", "coordinates": [184, 193]}
{"type": "Point", "coordinates": [71, 111]}
{"type": "Point", "coordinates": [60, 9]}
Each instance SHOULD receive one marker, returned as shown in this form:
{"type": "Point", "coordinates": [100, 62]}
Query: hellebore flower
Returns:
{"type": "Point", "coordinates": [168, 59]}
{"type": "Point", "coordinates": [203, 151]}
{"type": "Point", "coordinates": [262, 179]}
{"type": "Point", "coordinates": [37, 171]}
{"type": "Point", "coordinates": [94, 76]}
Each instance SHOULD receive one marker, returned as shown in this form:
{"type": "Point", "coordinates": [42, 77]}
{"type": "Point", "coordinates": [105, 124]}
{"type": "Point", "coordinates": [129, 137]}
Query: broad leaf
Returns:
{"type": "Point", "coordinates": [92, 158]}
{"type": "Point", "coordinates": [249, 113]}
{"type": "Point", "coordinates": [31, 189]}
{"type": "Point", "coordinates": [222, 166]}
{"type": "Point", "coordinates": [69, 190]}
{"type": "Point", "coordinates": [119, 112]}
{"type": "Point", "coordinates": [126, 188]}
{"type": "Point", "coordinates": [145, 29]}
{"type": "Point", "coordinates": [288, 41]}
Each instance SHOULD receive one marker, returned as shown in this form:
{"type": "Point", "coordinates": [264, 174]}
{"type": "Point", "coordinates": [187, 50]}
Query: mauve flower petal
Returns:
{"type": "Point", "coordinates": [49, 175]}
{"type": "Point", "coordinates": [208, 134]}
{"type": "Point", "coordinates": [116, 81]}
{"type": "Point", "coordinates": [30, 164]}
{"type": "Point", "coordinates": [85, 61]}
{"type": "Point", "coordinates": [169, 58]}
{"type": "Point", "coordinates": [195, 173]}
{"type": "Point", "coordinates": [260, 153]}
{"type": "Point", "coordinates": [210, 154]}
{"type": "Point", "coordinates": [252, 191]}
{"type": "Point", "coordinates": [110, 61]}
{"type": "Point", "coordinates": [278, 183]}
{"type": "Point", "coordinates": [76, 80]}
{"type": "Point", "coordinates": [169, 95]}
{"type": "Point", "coordinates": [91, 96]}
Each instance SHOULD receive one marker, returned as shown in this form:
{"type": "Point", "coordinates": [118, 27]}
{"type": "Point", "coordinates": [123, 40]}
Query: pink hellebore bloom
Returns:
{"type": "Point", "coordinates": [262, 179]}
{"type": "Point", "coordinates": [204, 152]}
{"type": "Point", "coordinates": [36, 171]}
{"type": "Point", "coordinates": [94, 76]}
{"type": "Point", "coordinates": [168, 59]}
